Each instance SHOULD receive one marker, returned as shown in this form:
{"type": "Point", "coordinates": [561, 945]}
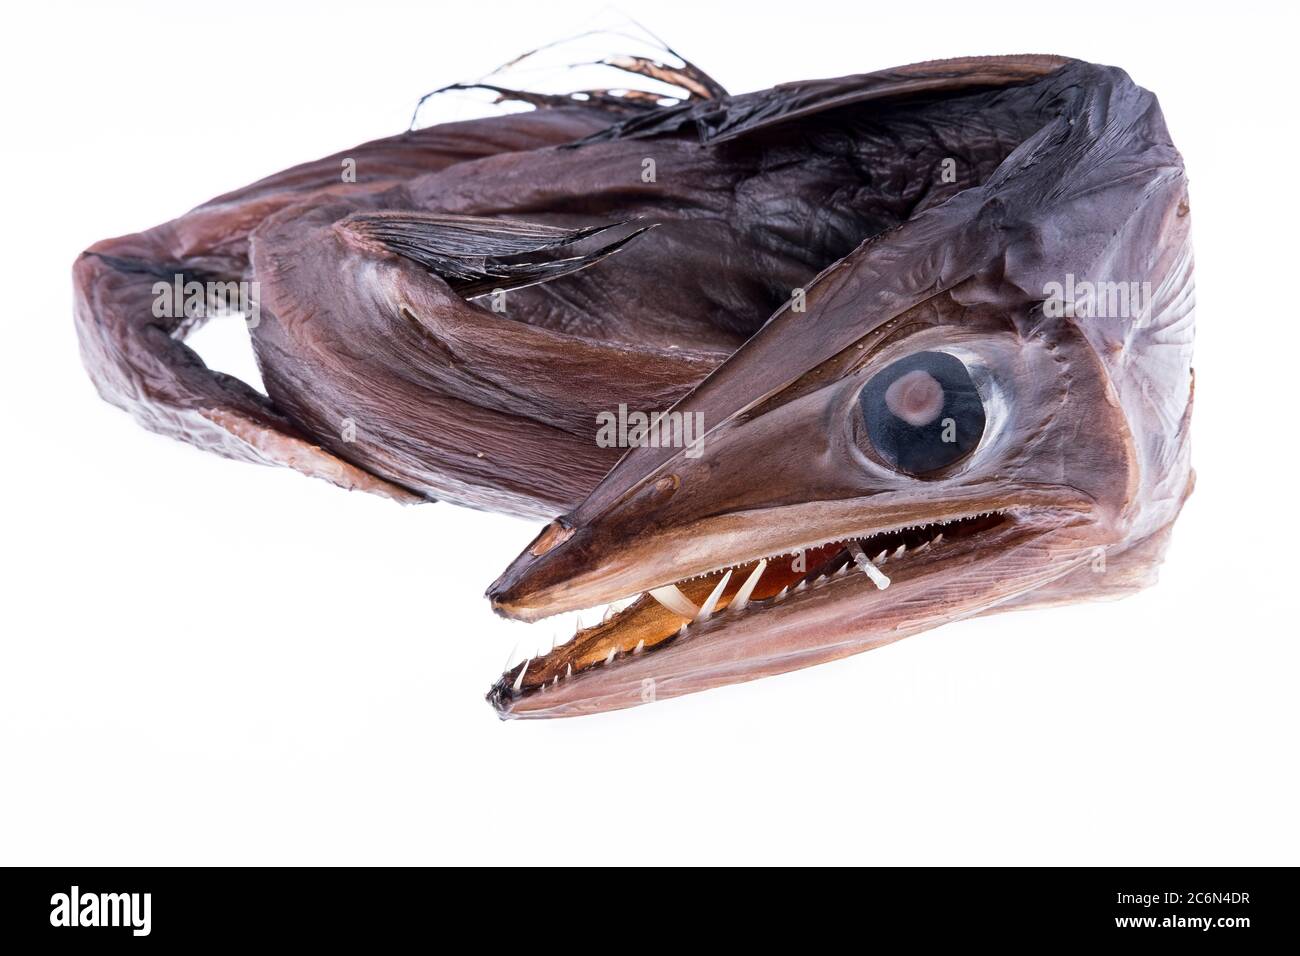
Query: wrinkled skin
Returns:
{"type": "Point", "coordinates": [922, 209]}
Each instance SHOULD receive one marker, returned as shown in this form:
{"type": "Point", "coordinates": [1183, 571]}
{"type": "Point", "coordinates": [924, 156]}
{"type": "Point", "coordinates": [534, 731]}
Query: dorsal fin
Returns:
{"type": "Point", "coordinates": [723, 118]}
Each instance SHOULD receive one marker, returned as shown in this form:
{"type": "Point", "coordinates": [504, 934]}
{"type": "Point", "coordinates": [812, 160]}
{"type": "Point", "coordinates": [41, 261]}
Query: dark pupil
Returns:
{"type": "Point", "coordinates": [923, 412]}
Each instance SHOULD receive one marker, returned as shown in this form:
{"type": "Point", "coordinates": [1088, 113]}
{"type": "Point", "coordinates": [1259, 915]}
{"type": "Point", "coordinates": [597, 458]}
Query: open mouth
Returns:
{"type": "Point", "coordinates": [665, 616]}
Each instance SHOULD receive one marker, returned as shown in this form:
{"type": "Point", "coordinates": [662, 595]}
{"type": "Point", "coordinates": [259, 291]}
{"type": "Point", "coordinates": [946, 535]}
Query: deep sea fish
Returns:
{"type": "Point", "coordinates": [792, 374]}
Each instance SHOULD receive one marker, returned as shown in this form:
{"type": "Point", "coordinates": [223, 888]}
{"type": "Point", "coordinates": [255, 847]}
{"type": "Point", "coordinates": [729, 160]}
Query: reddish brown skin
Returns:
{"type": "Point", "coordinates": [140, 363]}
{"type": "Point", "coordinates": [834, 187]}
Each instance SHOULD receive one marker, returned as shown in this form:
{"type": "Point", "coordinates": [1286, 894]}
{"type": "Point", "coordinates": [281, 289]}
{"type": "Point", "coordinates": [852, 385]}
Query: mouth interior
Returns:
{"type": "Point", "coordinates": [648, 623]}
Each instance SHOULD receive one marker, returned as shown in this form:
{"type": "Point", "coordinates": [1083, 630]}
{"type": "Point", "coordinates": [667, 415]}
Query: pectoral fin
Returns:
{"type": "Point", "coordinates": [476, 256]}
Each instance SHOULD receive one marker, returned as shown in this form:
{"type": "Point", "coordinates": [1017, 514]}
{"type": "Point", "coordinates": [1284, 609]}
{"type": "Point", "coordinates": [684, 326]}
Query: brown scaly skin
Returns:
{"type": "Point", "coordinates": [834, 187]}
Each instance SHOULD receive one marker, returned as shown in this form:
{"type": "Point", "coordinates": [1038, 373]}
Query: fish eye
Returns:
{"type": "Point", "coordinates": [922, 413]}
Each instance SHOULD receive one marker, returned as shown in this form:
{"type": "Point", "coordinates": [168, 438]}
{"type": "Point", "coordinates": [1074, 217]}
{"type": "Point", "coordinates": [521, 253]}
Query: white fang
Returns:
{"type": "Point", "coordinates": [878, 577]}
{"type": "Point", "coordinates": [711, 602]}
{"type": "Point", "coordinates": [742, 596]}
{"type": "Point", "coordinates": [671, 597]}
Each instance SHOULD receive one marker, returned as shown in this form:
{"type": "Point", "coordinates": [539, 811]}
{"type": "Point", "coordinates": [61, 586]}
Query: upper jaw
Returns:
{"type": "Point", "coordinates": [596, 564]}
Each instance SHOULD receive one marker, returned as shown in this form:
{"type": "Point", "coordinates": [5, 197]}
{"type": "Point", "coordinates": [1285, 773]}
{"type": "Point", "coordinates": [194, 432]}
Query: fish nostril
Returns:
{"type": "Point", "coordinates": [657, 493]}
{"type": "Point", "coordinates": [666, 487]}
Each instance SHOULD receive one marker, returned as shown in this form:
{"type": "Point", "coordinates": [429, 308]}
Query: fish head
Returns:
{"type": "Point", "coordinates": [947, 422]}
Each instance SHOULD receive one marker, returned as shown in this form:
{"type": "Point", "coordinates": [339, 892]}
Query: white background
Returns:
{"type": "Point", "coordinates": [211, 662]}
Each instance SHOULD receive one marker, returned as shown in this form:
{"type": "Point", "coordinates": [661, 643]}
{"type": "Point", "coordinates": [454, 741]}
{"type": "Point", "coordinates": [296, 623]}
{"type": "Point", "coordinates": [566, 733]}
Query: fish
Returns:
{"type": "Point", "coordinates": [790, 374]}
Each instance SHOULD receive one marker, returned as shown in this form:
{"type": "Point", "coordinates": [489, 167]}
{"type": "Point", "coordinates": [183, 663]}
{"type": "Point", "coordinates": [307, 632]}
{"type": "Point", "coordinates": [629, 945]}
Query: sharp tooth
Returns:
{"type": "Point", "coordinates": [613, 653]}
{"type": "Point", "coordinates": [640, 646]}
{"type": "Point", "coordinates": [681, 632]}
{"type": "Point", "coordinates": [555, 680]}
{"type": "Point", "coordinates": [878, 578]}
{"type": "Point", "coordinates": [671, 597]}
{"type": "Point", "coordinates": [513, 658]}
{"type": "Point", "coordinates": [519, 681]}
{"type": "Point", "coordinates": [780, 595]}
{"type": "Point", "coordinates": [881, 558]}
{"type": "Point", "coordinates": [899, 552]}
{"type": "Point", "coordinates": [568, 671]}
{"type": "Point", "coordinates": [742, 596]}
{"type": "Point", "coordinates": [801, 585]}
{"type": "Point", "coordinates": [622, 604]}
{"type": "Point", "coordinates": [924, 547]}
{"type": "Point", "coordinates": [711, 602]}
{"type": "Point", "coordinates": [938, 538]}
{"type": "Point", "coordinates": [843, 569]}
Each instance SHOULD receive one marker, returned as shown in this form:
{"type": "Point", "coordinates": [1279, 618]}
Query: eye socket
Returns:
{"type": "Point", "coordinates": [923, 412]}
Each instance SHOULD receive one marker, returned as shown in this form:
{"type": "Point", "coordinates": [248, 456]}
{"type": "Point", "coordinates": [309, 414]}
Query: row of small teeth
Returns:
{"type": "Point", "coordinates": [565, 628]}
{"type": "Point", "coordinates": [568, 667]}
{"type": "Point", "coordinates": [672, 598]}
{"type": "Point", "coordinates": [897, 553]}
